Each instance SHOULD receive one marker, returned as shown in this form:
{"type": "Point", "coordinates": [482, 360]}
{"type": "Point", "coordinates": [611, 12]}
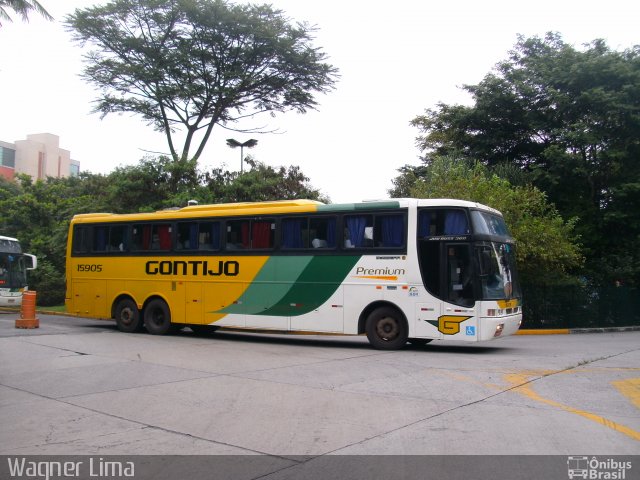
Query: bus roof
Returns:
{"type": "Point", "coordinates": [275, 207]}
{"type": "Point", "coordinates": [2, 237]}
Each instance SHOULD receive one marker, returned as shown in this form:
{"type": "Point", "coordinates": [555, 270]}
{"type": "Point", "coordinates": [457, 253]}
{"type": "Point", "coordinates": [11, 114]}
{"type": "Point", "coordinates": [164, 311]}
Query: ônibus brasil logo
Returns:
{"type": "Point", "coordinates": [597, 469]}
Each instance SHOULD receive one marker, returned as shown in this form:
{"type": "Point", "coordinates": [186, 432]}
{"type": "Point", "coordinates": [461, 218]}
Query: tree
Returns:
{"type": "Point", "coordinates": [193, 64]}
{"type": "Point", "coordinates": [38, 214]}
{"type": "Point", "coordinates": [153, 184]}
{"type": "Point", "coordinates": [547, 247]}
{"type": "Point", "coordinates": [260, 183]}
{"type": "Point", "coordinates": [22, 8]}
{"type": "Point", "coordinates": [571, 120]}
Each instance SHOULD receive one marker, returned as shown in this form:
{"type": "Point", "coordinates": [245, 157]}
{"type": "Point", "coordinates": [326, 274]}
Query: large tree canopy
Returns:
{"type": "Point", "coordinates": [571, 119]}
{"type": "Point", "coordinates": [547, 247]}
{"type": "Point", "coordinates": [187, 65]}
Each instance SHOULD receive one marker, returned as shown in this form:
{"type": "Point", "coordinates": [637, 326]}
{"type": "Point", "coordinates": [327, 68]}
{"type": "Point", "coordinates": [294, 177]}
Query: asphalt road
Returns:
{"type": "Point", "coordinates": [79, 386]}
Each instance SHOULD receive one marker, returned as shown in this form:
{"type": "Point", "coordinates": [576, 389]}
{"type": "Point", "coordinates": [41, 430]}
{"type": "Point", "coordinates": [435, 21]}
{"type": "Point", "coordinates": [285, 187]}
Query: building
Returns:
{"type": "Point", "coordinates": [39, 156]}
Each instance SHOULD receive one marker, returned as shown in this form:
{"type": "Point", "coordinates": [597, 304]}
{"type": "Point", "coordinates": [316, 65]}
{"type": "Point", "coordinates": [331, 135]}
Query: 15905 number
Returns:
{"type": "Point", "coordinates": [89, 268]}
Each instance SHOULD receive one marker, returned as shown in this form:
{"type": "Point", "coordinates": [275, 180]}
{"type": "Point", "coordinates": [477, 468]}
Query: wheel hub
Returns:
{"type": "Point", "coordinates": [387, 328]}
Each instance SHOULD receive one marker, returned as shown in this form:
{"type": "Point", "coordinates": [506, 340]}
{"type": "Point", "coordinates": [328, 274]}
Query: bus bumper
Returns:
{"type": "Point", "coordinates": [497, 327]}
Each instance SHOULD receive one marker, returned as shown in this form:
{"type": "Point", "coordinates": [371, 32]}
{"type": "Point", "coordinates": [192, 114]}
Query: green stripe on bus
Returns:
{"type": "Point", "coordinates": [270, 285]}
{"type": "Point", "coordinates": [314, 287]}
{"type": "Point", "coordinates": [349, 207]}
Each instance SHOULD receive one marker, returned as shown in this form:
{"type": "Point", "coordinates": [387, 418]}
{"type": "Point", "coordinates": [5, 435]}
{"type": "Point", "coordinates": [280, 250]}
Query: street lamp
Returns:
{"type": "Point", "coordinates": [233, 143]}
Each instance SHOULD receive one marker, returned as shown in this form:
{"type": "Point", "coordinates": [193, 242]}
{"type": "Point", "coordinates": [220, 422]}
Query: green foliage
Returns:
{"type": "Point", "coordinates": [22, 8]}
{"type": "Point", "coordinates": [48, 281]}
{"type": "Point", "coordinates": [569, 120]}
{"type": "Point", "coordinates": [192, 64]}
{"type": "Point", "coordinates": [547, 247]}
{"type": "Point", "coordinates": [261, 182]}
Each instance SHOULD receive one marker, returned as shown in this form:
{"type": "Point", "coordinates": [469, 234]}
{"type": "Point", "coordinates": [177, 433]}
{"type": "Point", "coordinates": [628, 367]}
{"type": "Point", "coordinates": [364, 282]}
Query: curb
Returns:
{"type": "Point", "coordinates": [570, 331]}
{"type": "Point", "coordinates": [544, 331]}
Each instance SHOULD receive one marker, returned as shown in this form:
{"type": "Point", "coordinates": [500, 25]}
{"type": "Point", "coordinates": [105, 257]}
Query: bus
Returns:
{"type": "Point", "coordinates": [13, 271]}
{"type": "Point", "coordinates": [396, 270]}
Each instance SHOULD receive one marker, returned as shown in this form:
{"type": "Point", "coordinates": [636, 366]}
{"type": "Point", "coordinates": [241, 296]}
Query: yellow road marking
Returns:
{"type": "Point", "coordinates": [630, 388]}
{"type": "Point", "coordinates": [520, 382]}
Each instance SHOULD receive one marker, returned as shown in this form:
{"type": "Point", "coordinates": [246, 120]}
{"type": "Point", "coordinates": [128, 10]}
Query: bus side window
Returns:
{"type": "Point", "coordinates": [198, 236]}
{"type": "Point", "coordinates": [389, 231]}
{"type": "Point", "coordinates": [187, 235]}
{"type": "Point", "coordinates": [238, 235]}
{"type": "Point", "coordinates": [262, 233]}
{"type": "Point", "coordinates": [432, 222]}
{"type": "Point", "coordinates": [250, 234]}
{"type": "Point", "coordinates": [295, 233]}
{"type": "Point", "coordinates": [322, 232]}
{"type": "Point", "coordinates": [152, 236]}
{"type": "Point", "coordinates": [208, 236]}
{"type": "Point", "coordinates": [358, 231]}
{"type": "Point", "coordinates": [100, 238]}
{"type": "Point", "coordinates": [80, 240]}
{"type": "Point", "coordinates": [117, 239]}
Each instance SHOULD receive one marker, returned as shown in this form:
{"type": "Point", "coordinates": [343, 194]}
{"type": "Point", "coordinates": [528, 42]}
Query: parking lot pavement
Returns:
{"type": "Point", "coordinates": [79, 386]}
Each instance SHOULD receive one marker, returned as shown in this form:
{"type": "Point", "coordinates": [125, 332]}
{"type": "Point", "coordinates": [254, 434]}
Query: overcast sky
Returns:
{"type": "Point", "coordinates": [395, 59]}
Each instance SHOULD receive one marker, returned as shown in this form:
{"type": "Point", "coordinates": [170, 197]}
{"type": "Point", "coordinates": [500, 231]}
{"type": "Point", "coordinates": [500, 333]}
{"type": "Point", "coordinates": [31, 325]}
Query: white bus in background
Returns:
{"type": "Point", "coordinates": [13, 271]}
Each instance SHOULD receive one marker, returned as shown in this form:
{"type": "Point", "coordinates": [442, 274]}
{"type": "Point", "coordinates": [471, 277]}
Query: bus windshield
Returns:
{"type": "Point", "coordinates": [13, 270]}
{"type": "Point", "coordinates": [498, 277]}
{"type": "Point", "coordinates": [485, 223]}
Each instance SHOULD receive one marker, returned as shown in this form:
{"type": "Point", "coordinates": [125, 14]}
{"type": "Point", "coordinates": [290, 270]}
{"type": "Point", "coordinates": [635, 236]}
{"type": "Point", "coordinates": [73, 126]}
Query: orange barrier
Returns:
{"type": "Point", "coordinates": [28, 312]}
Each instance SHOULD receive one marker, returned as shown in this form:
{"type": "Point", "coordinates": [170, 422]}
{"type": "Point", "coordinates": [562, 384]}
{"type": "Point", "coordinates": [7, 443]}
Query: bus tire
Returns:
{"type": "Point", "coordinates": [157, 317]}
{"type": "Point", "coordinates": [128, 316]}
{"type": "Point", "coordinates": [386, 329]}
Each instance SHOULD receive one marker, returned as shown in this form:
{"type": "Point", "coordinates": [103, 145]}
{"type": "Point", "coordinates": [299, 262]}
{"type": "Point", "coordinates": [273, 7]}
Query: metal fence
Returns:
{"type": "Point", "coordinates": [578, 306]}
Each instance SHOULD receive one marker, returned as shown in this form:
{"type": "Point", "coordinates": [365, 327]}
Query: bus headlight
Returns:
{"type": "Point", "coordinates": [499, 330]}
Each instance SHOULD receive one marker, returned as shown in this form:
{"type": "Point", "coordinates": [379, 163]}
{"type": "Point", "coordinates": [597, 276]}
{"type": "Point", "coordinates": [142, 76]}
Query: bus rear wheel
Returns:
{"type": "Point", "coordinates": [386, 329]}
{"type": "Point", "coordinates": [157, 318]}
{"type": "Point", "coordinates": [128, 316]}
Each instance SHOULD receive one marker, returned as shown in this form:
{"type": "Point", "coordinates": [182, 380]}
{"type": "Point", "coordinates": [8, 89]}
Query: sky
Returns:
{"type": "Point", "coordinates": [396, 59]}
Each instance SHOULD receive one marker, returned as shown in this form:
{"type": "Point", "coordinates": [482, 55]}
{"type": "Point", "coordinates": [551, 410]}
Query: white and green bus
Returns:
{"type": "Point", "coordinates": [13, 271]}
{"type": "Point", "coordinates": [396, 270]}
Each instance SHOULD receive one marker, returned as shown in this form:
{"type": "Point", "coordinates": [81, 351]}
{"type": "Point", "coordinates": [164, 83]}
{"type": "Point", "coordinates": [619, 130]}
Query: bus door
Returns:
{"type": "Point", "coordinates": [194, 305]}
{"type": "Point", "coordinates": [447, 274]}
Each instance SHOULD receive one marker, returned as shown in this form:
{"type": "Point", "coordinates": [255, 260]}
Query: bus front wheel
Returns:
{"type": "Point", "coordinates": [386, 329]}
{"type": "Point", "coordinates": [157, 318]}
{"type": "Point", "coordinates": [128, 316]}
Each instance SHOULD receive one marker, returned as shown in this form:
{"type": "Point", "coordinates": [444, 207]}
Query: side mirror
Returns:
{"type": "Point", "coordinates": [31, 261]}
